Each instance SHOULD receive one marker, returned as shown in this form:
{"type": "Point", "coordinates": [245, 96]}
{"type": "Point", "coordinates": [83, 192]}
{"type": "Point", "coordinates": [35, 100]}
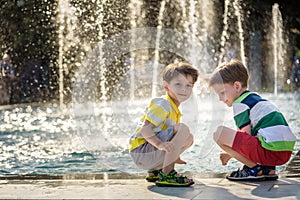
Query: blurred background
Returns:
{"type": "Point", "coordinates": [48, 39]}
{"type": "Point", "coordinates": [84, 70]}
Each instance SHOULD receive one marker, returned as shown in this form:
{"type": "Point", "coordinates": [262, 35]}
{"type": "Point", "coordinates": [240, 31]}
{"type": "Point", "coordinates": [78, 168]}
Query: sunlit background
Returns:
{"type": "Point", "coordinates": [86, 69]}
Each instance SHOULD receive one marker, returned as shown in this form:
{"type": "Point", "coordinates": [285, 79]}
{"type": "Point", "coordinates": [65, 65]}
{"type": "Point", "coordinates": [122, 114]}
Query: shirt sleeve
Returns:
{"type": "Point", "coordinates": [158, 111]}
{"type": "Point", "coordinates": [241, 115]}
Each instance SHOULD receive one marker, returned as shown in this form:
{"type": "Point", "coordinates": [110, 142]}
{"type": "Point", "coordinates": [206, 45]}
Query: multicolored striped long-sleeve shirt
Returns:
{"type": "Point", "coordinates": [267, 122]}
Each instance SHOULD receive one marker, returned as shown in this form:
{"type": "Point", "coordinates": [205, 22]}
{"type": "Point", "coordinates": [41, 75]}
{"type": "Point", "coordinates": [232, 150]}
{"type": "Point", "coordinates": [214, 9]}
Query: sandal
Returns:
{"type": "Point", "coordinates": [266, 171]}
{"type": "Point", "coordinates": [173, 179]}
{"type": "Point", "coordinates": [152, 176]}
{"type": "Point", "coordinates": [246, 173]}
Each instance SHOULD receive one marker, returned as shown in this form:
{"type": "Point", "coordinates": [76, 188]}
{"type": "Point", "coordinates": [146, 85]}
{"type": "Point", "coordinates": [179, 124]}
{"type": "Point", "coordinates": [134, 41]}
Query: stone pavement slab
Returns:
{"type": "Point", "coordinates": [204, 188]}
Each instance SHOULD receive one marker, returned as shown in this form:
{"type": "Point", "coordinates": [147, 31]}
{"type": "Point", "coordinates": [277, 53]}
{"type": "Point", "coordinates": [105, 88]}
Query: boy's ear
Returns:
{"type": "Point", "coordinates": [237, 85]}
{"type": "Point", "coordinates": [165, 85]}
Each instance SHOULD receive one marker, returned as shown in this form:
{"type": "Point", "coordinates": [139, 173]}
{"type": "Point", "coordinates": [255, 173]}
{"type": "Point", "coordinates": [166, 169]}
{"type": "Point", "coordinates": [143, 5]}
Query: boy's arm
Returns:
{"type": "Point", "coordinates": [247, 129]}
{"type": "Point", "coordinates": [149, 135]}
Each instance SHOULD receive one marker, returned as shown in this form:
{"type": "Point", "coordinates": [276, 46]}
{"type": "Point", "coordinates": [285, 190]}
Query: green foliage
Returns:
{"type": "Point", "coordinates": [28, 32]}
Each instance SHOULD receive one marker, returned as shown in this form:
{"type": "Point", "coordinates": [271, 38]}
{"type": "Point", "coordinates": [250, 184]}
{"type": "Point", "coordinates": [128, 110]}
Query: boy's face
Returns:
{"type": "Point", "coordinates": [227, 92]}
{"type": "Point", "coordinates": [179, 88]}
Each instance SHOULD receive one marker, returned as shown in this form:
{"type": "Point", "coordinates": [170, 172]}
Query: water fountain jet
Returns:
{"type": "Point", "coordinates": [101, 125]}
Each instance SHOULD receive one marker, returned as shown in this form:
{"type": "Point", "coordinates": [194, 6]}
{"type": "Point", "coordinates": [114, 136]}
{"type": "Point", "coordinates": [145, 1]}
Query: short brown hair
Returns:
{"type": "Point", "coordinates": [229, 72]}
{"type": "Point", "coordinates": [184, 68]}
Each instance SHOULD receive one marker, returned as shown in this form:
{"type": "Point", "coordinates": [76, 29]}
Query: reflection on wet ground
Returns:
{"type": "Point", "coordinates": [293, 168]}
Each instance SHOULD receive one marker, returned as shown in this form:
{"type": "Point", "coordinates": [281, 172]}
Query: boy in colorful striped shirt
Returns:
{"type": "Point", "coordinates": [160, 138]}
{"type": "Point", "coordinates": [263, 140]}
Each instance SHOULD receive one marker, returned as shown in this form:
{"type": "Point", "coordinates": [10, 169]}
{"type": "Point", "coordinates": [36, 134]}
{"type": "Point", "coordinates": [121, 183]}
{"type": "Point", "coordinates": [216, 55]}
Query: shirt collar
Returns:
{"type": "Point", "coordinates": [173, 104]}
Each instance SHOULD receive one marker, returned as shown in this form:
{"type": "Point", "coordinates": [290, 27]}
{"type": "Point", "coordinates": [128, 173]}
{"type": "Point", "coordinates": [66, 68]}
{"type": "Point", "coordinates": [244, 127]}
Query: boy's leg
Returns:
{"type": "Point", "coordinates": [224, 137]}
{"type": "Point", "coordinates": [182, 139]}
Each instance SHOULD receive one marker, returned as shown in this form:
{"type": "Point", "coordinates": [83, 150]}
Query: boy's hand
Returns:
{"type": "Point", "coordinates": [247, 129]}
{"type": "Point", "coordinates": [224, 157]}
{"type": "Point", "coordinates": [166, 146]}
{"type": "Point", "coordinates": [179, 161]}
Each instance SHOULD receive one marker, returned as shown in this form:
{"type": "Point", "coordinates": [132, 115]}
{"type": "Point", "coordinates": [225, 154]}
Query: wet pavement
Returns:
{"type": "Point", "coordinates": [122, 186]}
{"type": "Point", "coordinates": [293, 168]}
{"type": "Point", "coordinates": [204, 188]}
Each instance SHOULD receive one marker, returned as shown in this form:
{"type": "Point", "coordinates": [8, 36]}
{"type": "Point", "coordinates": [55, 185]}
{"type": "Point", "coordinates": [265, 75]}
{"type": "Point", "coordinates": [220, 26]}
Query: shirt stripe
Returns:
{"type": "Point", "coordinates": [162, 112]}
{"type": "Point", "coordinates": [267, 122]}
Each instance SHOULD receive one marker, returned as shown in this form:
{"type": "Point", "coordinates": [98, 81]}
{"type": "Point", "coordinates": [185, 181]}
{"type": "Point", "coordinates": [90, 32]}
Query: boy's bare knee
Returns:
{"type": "Point", "coordinates": [183, 131]}
{"type": "Point", "coordinates": [182, 128]}
{"type": "Point", "coordinates": [217, 133]}
{"type": "Point", "coordinates": [190, 139]}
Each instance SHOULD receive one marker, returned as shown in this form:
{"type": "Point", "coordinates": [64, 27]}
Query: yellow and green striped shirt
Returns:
{"type": "Point", "coordinates": [162, 113]}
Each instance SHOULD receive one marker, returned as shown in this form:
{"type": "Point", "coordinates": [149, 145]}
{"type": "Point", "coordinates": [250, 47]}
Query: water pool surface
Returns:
{"type": "Point", "coordinates": [85, 139]}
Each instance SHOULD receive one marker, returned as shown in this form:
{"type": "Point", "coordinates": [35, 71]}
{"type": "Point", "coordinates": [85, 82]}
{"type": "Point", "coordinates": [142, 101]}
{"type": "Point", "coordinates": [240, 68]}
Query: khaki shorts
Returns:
{"type": "Point", "coordinates": [149, 157]}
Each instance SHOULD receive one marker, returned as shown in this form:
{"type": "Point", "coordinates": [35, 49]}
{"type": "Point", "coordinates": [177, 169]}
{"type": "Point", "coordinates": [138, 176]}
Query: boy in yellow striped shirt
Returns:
{"type": "Point", "coordinates": [160, 138]}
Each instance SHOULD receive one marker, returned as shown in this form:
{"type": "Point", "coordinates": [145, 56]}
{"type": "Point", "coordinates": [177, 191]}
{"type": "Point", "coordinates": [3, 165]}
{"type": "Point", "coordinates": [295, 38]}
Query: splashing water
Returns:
{"type": "Point", "coordinates": [277, 43]}
{"type": "Point", "coordinates": [236, 5]}
{"type": "Point", "coordinates": [156, 53]}
{"type": "Point", "coordinates": [39, 139]}
{"type": "Point", "coordinates": [90, 135]}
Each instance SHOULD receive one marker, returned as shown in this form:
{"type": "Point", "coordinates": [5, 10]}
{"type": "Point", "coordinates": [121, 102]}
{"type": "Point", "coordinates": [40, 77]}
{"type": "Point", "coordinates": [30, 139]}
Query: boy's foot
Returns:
{"type": "Point", "coordinates": [173, 179]}
{"type": "Point", "coordinates": [224, 157]}
{"type": "Point", "coordinates": [247, 173]}
{"type": "Point", "coordinates": [179, 161]}
{"type": "Point", "coordinates": [269, 173]}
{"type": "Point", "coordinates": [152, 176]}
{"type": "Point", "coordinates": [257, 173]}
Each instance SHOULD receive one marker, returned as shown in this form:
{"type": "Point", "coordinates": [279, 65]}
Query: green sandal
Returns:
{"type": "Point", "coordinates": [153, 177]}
{"type": "Point", "coordinates": [173, 179]}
